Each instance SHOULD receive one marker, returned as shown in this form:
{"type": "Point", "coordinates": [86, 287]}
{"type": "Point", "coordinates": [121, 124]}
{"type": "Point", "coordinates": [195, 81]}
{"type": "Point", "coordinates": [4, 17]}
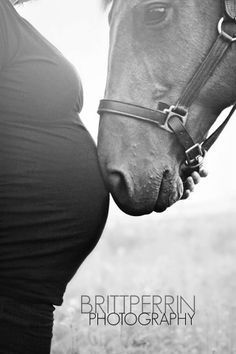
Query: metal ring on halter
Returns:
{"type": "Point", "coordinates": [188, 167]}
{"type": "Point", "coordinates": [198, 160]}
{"type": "Point", "coordinates": [171, 113]}
{"type": "Point", "coordinates": [223, 33]}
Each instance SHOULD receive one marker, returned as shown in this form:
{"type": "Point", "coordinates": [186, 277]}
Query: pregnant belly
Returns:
{"type": "Point", "coordinates": [53, 206]}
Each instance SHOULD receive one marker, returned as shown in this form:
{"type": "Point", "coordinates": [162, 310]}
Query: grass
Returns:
{"type": "Point", "coordinates": [186, 255]}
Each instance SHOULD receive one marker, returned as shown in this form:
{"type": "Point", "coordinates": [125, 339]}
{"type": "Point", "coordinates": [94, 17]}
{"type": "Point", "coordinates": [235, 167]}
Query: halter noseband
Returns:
{"type": "Point", "coordinates": [173, 118]}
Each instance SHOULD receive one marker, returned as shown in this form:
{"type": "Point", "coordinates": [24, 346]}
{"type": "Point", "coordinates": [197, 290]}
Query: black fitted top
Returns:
{"type": "Point", "coordinates": [53, 203]}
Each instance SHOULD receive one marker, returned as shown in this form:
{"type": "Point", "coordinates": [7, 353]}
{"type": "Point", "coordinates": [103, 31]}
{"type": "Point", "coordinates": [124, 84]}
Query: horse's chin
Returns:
{"type": "Point", "coordinates": [168, 194]}
{"type": "Point", "coordinates": [135, 207]}
{"type": "Point", "coordinates": [133, 211]}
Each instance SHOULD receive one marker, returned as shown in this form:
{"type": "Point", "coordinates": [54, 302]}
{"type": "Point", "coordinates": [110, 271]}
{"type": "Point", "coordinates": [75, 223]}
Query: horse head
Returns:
{"type": "Point", "coordinates": [156, 46]}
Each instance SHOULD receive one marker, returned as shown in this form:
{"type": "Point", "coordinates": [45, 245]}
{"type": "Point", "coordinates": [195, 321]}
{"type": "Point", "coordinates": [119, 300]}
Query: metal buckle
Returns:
{"type": "Point", "coordinates": [170, 113]}
{"type": "Point", "coordinates": [195, 155]}
{"type": "Point", "coordinates": [223, 33]}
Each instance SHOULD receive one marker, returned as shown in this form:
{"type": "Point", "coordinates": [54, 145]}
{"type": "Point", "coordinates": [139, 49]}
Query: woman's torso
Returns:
{"type": "Point", "coordinates": [53, 203]}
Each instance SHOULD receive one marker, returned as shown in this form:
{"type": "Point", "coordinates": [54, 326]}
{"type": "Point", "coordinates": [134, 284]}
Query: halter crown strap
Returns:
{"type": "Point", "coordinates": [206, 69]}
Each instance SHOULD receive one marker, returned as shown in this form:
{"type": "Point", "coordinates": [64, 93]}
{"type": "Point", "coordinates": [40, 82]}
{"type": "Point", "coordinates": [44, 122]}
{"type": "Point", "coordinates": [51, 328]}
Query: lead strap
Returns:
{"type": "Point", "coordinates": [207, 144]}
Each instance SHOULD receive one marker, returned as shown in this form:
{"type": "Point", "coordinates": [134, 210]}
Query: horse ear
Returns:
{"type": "Point", "coordinates": [230, 7]}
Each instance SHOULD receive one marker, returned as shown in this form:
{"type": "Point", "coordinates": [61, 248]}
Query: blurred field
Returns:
{"type": "Point", "coordinates": [178, 253]}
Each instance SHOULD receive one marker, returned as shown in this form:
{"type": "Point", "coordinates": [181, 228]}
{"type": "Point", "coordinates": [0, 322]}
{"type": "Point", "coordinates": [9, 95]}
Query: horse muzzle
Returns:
{"type": "Point", "coordinates": [138, 193]}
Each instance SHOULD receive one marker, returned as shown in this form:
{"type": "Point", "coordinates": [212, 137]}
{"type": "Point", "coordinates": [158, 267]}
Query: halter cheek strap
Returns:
{"type": "Point", "coordinates": [173, 118]}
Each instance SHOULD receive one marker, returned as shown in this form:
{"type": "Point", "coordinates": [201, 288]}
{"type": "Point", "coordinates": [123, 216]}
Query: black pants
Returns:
{"type": "Point", "coordinates": [25, 328]}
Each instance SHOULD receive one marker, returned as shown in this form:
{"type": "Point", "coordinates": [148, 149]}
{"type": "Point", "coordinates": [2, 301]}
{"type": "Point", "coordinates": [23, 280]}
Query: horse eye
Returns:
{"type": "Point", "coordinates": [155, 13]}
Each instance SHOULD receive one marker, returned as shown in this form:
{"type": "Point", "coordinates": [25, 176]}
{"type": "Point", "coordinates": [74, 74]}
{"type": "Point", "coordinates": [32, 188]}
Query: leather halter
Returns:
{"type": "Point", "coordinates": [173, 118]}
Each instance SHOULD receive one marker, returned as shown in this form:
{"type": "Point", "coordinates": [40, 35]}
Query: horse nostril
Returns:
{"type": "Point", "coordinates": [119, 184]}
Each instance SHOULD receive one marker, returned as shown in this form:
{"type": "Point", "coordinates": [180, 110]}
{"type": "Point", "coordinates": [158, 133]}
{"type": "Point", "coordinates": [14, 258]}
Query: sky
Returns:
{"type": "Point", "coordinates": [79, 29]}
